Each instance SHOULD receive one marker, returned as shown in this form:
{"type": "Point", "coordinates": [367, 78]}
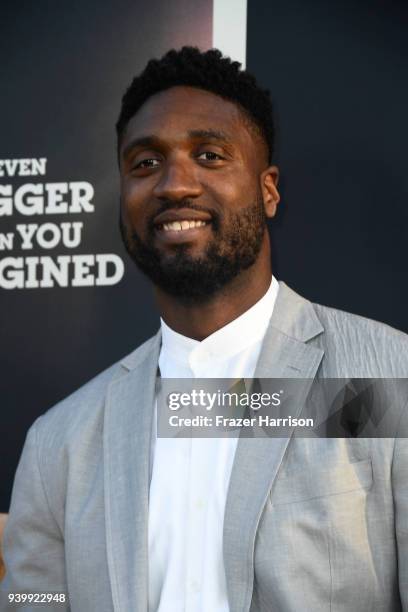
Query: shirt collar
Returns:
{"type": "Point", "coordinates": [236, 336]}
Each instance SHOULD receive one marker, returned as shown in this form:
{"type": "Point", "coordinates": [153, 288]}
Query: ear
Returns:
{"type": "Point", "coordinates": [269, 186]}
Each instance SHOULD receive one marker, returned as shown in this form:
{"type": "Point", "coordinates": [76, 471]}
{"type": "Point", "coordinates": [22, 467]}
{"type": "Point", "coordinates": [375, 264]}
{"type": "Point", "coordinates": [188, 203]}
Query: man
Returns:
{"type": "Point", "coordinates": [119, 518]}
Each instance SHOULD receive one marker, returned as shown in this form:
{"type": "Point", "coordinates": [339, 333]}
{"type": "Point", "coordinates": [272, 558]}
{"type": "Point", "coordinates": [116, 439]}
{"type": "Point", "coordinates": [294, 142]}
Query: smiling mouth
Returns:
{"type": "Point", "coordinates": [182, 225]}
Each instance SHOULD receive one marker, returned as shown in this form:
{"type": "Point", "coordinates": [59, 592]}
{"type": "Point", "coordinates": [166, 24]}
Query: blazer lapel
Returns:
{"type": "Point", "coordinates": [285, 354]}
{"type": "Point", "coordinates": [127, 441]}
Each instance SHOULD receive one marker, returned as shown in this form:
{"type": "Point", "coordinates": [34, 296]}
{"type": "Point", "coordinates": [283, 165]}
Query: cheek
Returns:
{"type": "Point", "coordinates": [234, 192]}
{"type": "Point", "coordinates": [132, 204]}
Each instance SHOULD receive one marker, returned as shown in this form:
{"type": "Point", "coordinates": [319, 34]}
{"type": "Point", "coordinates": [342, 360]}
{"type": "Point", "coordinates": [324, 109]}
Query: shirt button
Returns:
{"type": "Point", "coordinates": [200, 504]}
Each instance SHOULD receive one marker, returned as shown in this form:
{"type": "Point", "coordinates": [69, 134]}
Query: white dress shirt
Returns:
{"type": "Point", "coordinates": [190, 476]}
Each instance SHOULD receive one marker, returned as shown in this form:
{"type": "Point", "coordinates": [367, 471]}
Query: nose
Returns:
{"type": "Point", "coordinates": [178, 181]}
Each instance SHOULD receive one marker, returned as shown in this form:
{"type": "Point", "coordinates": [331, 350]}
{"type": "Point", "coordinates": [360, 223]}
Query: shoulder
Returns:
{"type": "Point", "coordinates": [80, 415]}
{"type": "Point", "coordinates": [347, 326]}
{"type": "Point", "coordinates": [64, 446]}
{"type": "Point", "coordinates": [365, 346]}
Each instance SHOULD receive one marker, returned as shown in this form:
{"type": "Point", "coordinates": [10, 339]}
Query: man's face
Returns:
{"type": "Point", "coordinates": [192, 206]}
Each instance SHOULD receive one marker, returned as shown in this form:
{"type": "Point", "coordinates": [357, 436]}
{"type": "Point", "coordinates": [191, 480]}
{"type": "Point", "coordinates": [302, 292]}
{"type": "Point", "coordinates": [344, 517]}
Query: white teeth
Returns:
{"type": "Point", "coordinates": [177, 226]}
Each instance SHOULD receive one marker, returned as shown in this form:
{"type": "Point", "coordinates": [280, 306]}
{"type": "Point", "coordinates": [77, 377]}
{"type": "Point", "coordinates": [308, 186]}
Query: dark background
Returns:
{"type": "Point", "coordinates": [337, 73]}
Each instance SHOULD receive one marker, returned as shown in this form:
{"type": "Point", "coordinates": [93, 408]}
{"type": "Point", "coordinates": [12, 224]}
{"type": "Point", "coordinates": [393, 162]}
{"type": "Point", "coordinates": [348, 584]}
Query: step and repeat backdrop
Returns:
{"type": "Point", "coordinates": [71, 303]}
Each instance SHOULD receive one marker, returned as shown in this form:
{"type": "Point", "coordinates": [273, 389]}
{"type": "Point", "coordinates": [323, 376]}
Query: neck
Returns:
{"type": "Point", "coordinates": [198, 321]}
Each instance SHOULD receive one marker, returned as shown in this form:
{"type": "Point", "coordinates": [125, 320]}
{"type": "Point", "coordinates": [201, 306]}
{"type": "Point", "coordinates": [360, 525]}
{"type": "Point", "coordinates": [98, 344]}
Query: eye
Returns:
{"type": "Point", "coordinates": [150, 162]}
{"type": "Point", "coordinates": [210, 156]}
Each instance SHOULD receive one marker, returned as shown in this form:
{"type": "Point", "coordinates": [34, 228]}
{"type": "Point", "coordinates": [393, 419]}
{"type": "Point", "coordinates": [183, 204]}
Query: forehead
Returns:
{"type": "Point", "coordinates": [179, 110]}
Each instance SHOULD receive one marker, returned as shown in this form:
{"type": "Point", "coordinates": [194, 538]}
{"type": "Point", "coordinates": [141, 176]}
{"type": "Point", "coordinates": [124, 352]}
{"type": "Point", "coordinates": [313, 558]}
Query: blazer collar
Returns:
{"type": "Point", "coordinates": [295, 316]}
{"type": "Point", "coordinates": [127, 438]}
{"type": "Point", "coordinates": [286, 353]}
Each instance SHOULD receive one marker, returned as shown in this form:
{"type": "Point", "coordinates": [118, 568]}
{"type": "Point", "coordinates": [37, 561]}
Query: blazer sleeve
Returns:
{"type": "Point", "coordinates": [400, 492]}
{"type": "Point", "coordinates": [33, 545]}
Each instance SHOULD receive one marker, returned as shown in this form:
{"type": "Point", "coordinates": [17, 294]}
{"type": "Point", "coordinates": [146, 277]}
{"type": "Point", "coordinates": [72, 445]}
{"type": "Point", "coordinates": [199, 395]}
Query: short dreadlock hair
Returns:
{"type": "Point", "coordinates": [207, 70]}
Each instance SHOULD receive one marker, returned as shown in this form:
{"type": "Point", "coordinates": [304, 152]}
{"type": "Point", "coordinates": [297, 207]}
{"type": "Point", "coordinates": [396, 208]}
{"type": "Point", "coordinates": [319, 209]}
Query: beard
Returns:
{"type": "Point", "coordinates": [234, 247]}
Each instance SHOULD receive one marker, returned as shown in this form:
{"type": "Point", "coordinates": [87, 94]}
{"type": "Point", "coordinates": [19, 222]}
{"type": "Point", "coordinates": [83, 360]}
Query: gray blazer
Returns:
{"type": "Point", "coordinates": [311, 525]}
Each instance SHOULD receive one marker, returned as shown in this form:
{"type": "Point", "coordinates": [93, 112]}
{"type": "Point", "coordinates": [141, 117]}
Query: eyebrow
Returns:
{"type": "Point", "coordinates": [209, 135]}
{"type": "Point", "coordinates": [143, 141]}
{"type": "Point", "coordinates": [151, 141]}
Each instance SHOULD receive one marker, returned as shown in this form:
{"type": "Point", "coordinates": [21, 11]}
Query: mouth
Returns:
{"type": "Point", "coordinates": [183, 225]}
